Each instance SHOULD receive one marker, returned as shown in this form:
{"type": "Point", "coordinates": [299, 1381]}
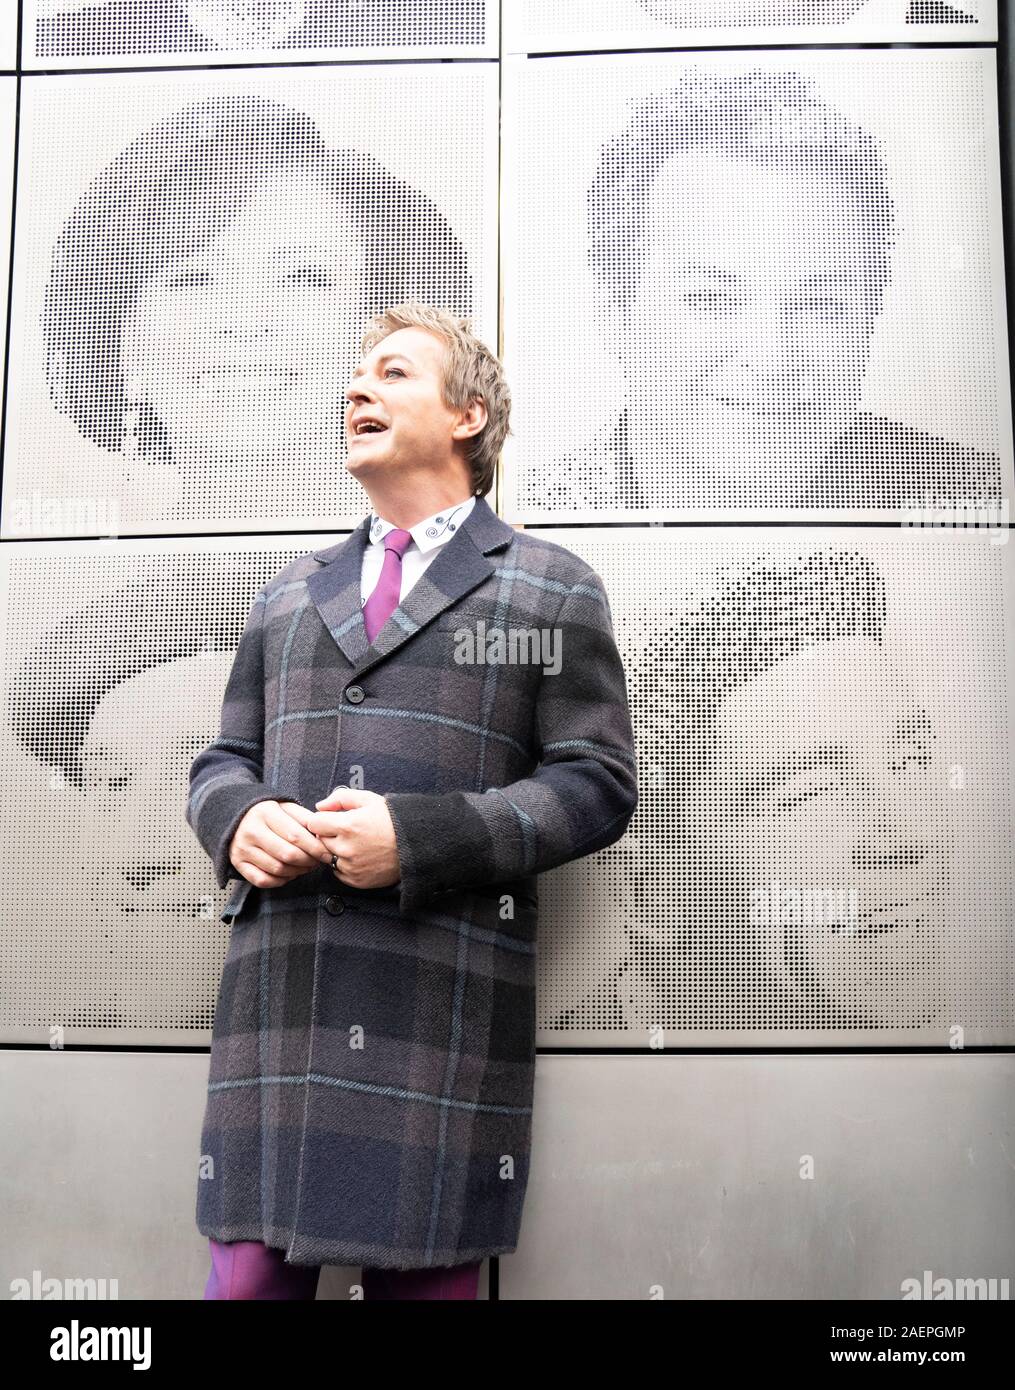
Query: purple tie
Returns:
{"type": "Point", "coordinates": [384, 599]}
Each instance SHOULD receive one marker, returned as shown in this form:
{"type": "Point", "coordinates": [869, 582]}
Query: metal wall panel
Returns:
{"type": "Point", "coordinates": [8, 101]}
{"type": "Point", "coordinates": [114, 660]}
{"type": "Point", "coordinates": [566, 26]}
{"type": "Point", "coordinates": [99, 1157]}
{"type": "Point", "coordinates": [128, 33]}
{"type": "Point", "coordinates": [764, 285]}
{"type": "Point", "coordinates": [9, 49]}
{"type": "Point", "coordinates": [698, 1186]}
{"type": "Point", "coordinates": [196, 256]}
{"type": "Point", "coordinates": [810, 1177]}
{"type": "Point", "coordinates": [824, 847]}
{"type": "Point", "coordinates": [810, 666]}
{"type": "Point", "coordinates": [881, 659]}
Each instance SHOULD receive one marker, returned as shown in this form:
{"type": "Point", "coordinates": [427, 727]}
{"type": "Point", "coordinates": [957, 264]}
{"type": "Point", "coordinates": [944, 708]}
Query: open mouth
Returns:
{"type": "Point", "coordinates": [366, 429]}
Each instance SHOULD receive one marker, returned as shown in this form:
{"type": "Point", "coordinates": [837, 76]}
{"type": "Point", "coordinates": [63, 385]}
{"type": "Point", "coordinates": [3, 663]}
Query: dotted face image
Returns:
{"type": "Point", "coordinates": [749, 258]}
{"type": "Point", "coordinates": [185, 335]}
{"type": "Point", "coordinates": [812, 800]}
{"type": "Point", "coordinates": [234, 311]}
{"type": "Point", "coordinates": [741, 274]}
{"type": "Point", "coordinates": [105, 712]}
{"type": "Point", "coordinates": [820, 843]}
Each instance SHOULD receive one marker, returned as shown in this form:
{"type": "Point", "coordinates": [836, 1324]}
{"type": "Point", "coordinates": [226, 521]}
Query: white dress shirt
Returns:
{"type": "Point", "coordinates": [427, 535]}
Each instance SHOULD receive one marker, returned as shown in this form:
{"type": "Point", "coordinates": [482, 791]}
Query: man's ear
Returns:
{"type": "Point", "coordinates": [471, 420]}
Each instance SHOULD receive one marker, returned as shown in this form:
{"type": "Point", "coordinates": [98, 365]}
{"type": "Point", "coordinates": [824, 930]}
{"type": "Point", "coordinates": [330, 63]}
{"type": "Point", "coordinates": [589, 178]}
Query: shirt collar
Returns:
{"type": "Point", "coordinates": [431, 531]}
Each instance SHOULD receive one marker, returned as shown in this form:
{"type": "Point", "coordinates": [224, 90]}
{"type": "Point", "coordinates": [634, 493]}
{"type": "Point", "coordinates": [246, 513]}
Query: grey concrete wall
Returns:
{"type": "Point", "coordinates": [675, 1176]}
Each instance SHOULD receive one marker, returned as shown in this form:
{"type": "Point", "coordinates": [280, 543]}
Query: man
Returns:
{"type": "Point", "coordinates": [742, 233]}
{"type": "Point", "coordinates": [387, 792]}
{"type": "Point", "coordinates": [811, 848]}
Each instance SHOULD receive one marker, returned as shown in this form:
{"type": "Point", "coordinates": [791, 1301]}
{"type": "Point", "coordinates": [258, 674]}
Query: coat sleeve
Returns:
{"type": "Point", "coordinates": [579, 799]}
{"type": "Point", "coordinates": [226, 778]}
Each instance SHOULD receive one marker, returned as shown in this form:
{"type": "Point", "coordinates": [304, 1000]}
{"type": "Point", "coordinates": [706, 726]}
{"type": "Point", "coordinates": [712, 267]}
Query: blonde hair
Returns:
{"type": "Point", "coordinates": [470, 370]}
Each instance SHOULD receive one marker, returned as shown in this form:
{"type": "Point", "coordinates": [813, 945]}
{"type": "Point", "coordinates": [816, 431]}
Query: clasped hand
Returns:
{"type": "Point", "coordinates": [276, 841]}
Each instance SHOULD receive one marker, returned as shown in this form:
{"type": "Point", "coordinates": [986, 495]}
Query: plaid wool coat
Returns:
{"type": "Point", "coordinates": [373, 1057]}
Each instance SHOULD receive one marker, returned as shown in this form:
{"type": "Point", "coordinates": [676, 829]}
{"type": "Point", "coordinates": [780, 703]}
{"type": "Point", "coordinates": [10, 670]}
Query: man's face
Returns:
{"type": "Point", "coordinates": [747, 340]}
{"type": "Point", "coordinates": [700, 14]}
{"type": "Point", "coordinates": [824, 778]}
{"type": "Point", "coordinates": [398, 386]}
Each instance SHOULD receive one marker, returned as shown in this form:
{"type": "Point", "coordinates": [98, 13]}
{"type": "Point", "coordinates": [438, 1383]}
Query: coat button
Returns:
{"type": "Point", "coordinates": [355, 694]}
{"type": "Point", "coordinates": [334, 904]}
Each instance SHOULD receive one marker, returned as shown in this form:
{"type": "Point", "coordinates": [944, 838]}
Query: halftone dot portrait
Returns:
{"type": "Point", "coordinates": [76, 32]}
{"type": "Point", "coordinates": [755, 289]}
{"type": "Point", "coordinates": [114, 667]}
{"type": "Point", "coordinates": [568, 26]}
{"type": "Point", "coordinates": [196, 262]}
{"type": "Point", "coordinates": [823, 846]}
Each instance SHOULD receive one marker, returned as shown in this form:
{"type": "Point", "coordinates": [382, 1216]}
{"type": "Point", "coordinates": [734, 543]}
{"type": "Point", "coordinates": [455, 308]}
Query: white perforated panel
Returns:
{"type": "Point", "coordinates": [823, 847]}
{"type": "Point", "coordinates": [767, 286]}
{"type": "Point", "coordinates": [567, 26]}
{"type": "Point", "coordinates": [823, 843]}
{"type": "Point", "coordinates": [196, 259]}
{"type": "Point", "coordinates": [104, 33]}
{"type": "Point", "coordinates": [8, 37]}
{"type": "Point", "coordinates": [114, 664]}
{"type": "Point", "coordinates": [8, 99]}
{"type": "Point", "coordinates": [826, 711]}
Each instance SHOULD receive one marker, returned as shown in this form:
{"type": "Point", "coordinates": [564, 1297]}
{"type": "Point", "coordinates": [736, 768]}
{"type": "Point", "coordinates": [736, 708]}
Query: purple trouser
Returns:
{"type": "Point", "coordinates": [248, 1269]}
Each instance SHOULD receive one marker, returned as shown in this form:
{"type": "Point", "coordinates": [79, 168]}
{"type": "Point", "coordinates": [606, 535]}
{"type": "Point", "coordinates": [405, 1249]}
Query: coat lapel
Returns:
{"type": "Point", "coordinates": [461, 564]}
